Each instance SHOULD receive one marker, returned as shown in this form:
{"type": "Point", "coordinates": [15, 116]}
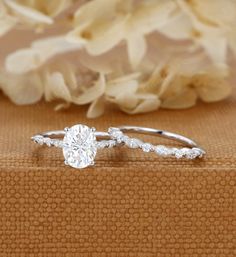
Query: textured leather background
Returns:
{"type": "Point", "coordinates": [130, 203]}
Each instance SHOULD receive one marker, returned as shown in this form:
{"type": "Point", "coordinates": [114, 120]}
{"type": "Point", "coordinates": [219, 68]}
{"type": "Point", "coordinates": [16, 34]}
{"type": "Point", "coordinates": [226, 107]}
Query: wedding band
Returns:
{"type": "Point", "coordinates": [79, 145]}
{"type": "Point", "coordinates": [192, 151]}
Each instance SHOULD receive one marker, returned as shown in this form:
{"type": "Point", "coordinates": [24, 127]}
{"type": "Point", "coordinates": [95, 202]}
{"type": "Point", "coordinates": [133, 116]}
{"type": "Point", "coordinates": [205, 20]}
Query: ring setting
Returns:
{"type": "Point", "coordinates": [79, 145]}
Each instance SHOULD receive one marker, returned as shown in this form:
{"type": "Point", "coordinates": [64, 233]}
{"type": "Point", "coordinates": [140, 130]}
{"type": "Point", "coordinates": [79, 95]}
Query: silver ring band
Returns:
{"type": "Point", "coordinates": [192, 151]}
{"type": "Point", "coordinates": [45, 138]}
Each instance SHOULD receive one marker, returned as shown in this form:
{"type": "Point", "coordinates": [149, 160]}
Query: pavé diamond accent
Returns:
{"type": "Point", "coordinates": [48, 141]}
{"type": "Point", "coordinates": [134, 143]}
{"type": "Point", "coordinates": [146, 147]}
{"type": "Point", "coordinates": [179, 153]}
{"type": "Point", "coordinates": [79, 146]}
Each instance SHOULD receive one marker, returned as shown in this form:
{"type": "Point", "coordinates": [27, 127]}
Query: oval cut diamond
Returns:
{"type": "Point", "coordinates": [79, 146]}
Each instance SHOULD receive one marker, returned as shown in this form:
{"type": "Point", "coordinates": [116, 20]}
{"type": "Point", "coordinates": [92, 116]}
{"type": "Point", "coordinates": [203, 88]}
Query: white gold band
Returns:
{"type": "Point", "coordinates": [46, 138]}
{"type": "Point", "coordinates": [192, 151]}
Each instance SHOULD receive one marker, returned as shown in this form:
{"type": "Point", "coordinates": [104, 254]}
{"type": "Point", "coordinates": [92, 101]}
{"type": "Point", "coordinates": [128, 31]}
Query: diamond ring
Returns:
{"type": "Point", "coordinates": [192, 151]}
{"type": "Point", "coordinates": [79, 145]}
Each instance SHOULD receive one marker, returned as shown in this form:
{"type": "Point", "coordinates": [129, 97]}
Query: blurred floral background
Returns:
{"type": "Point", "coordinates": [139, 55]}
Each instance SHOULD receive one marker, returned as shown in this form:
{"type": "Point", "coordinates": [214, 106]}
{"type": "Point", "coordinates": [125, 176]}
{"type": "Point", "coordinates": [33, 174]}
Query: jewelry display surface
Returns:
{"type": "Point", "coordinates": [132, 203]}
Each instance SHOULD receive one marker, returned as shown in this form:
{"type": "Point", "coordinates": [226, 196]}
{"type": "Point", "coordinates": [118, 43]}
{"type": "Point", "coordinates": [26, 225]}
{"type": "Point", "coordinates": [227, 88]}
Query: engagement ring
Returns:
{"type": "Point", "coordinates": [79, 145]}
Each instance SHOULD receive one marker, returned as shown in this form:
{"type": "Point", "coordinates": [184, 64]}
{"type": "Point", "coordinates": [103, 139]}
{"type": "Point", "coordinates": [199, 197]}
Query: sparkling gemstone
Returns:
{"type": "Point", "coordinates": [106, 144]}
{"type": "Point", "coordinates": [134, 143]}
{"type": "Point", "coordinates": [47, 141]}
{"type": "Point", "coordinates": [192, 154]}
{"type": "Point", "coordinates": [162, 150]}
{"type": "Point", "coordinates": [58, 143]}
{"type": "Point", "coordinates": [179, 154]}
{"type": "Point", "coordinates": [116, 134]}
{"type": "Point", "coordinates": [38, 139]}
{"type": "Point", "coordinates": [79, 146]}
{"type": "Point", "coordinates": [146, 147]}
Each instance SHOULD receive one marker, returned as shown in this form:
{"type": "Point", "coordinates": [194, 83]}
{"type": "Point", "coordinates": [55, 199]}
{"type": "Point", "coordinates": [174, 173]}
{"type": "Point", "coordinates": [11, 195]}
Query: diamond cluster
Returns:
{"type": "Point", "coordinates": [41, 140]}
{"type": "Point", "coordinates": [189, 153]}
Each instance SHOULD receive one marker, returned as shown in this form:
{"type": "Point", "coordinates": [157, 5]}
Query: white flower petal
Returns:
{"type": "Point", "coordinates": [98, 64]}
{"type": "Point", "coordinates": [92, 10]}
{"type": "Point", "coordinates": [126, 100]}
{"type": "Point", "coordinates": [25, 60]}
{"type": "Point", "coordinates": [178, 27]}
{"type": "Point", "coordinates": [32, 15]}
{"type": "Point", "coordinates": [142, 106]}
{"type": "Point", "coordinates": [114, 88]}
{"type": "Point", "coordinates": [215, 12]}
{"type": "Point", "coordinates": [91, 93]}
{"type": "Point", "coordinates": [136, 49]}
{"type": "Point", "coordinates": [185, 99]}
{"type": "Point", "coordinates": [22, 89]}
{"type": "Point", "coordinates": [148, 16]}
{"type": "Point", "coordinates": [62, 106]}
{"type": "Point", "coordinates": [211, 89]}
{"type": "Point", "coordinates": [98, 37]}
{"type": "Point", "coordinates": [58, 89]}
{"type": "Point", "coordinates": [215, 46]}
{"type": "Point", "coordinates": [96, 109]}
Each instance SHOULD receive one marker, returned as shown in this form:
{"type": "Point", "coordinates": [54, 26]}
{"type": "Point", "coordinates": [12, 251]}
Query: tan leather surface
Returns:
{"type": "Point", "coordinates": [131, 203]}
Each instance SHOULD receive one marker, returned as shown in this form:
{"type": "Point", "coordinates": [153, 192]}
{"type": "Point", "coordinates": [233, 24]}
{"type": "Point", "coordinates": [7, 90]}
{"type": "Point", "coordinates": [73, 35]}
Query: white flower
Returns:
{"type": "Point", "coordinates": [125, 92]}
{"type": "Point", "coordinates": [193, 78]}
{"type": "Point", "coordinates": [209, 24]}
{"type": "Point", "coordinates": [101, 24]}
{"type": "Point", "coordinates": [177, 54]}
{"type": "Point", "coordinates": [7, 22]}
{"type": "Point", "coordinates": [22, 89]}
{"type": "Point", "coordinates": [29, 12]}
{"type": "Point", "coordinates": [28, 59]}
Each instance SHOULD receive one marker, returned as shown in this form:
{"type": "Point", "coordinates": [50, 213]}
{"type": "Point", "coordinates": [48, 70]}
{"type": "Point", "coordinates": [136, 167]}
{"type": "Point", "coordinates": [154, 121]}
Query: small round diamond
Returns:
{"type": "Point", "coordinates": [79, 146]}
{"type": "Point", "coordinates": [47, 141]}
{"type": "Point", "coordinates": [116, 134]}
{"type": "Point", "coordinates": [179, 154]}
{"type": "Point", "coordinates": [38, 139]}
{"type": "Point", "coordinates": [193, 153]}
{"type": "Point", "coordinates": [146, 147]}
{"type": "Point", "coordinates": [133, 143]}
{"type": "Point", "coordinates": [162, 150]}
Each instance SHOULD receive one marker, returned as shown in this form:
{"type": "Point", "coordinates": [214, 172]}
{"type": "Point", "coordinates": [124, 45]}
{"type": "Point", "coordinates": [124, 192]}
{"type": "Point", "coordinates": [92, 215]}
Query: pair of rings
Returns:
{"type": "Point", "coordinates": [80, 143]}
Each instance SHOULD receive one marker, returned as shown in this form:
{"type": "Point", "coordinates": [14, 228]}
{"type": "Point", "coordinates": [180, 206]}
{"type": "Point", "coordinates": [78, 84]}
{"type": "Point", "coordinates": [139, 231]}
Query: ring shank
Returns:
{"type": "Point", "coordinates": [160, 133]}
{"type": "Point", "coordinates": [58, 133]}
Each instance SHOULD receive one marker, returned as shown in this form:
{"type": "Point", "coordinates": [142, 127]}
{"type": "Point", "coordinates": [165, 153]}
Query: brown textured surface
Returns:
{"type": "Point", "coordinates": [130, 203]}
